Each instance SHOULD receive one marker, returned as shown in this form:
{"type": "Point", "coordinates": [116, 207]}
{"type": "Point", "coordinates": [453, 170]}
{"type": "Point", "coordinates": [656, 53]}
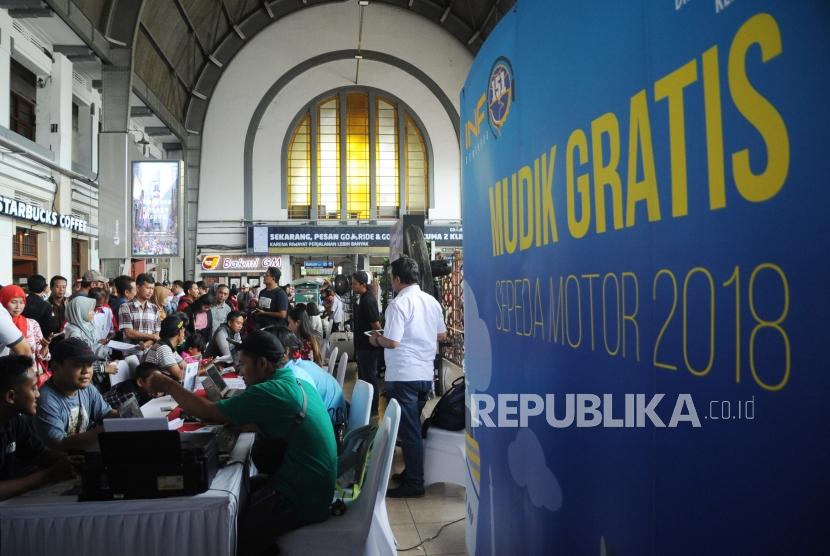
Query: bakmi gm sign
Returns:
{"type": "Point", "coordinates": [645, 207]}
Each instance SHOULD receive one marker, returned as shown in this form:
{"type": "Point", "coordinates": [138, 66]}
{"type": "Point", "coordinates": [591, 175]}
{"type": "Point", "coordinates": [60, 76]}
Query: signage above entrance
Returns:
{"type": "Point", "coordinates": [272, 239]}
{"type": "Point", "coordinates": [25, 211]}
{"type": "Point", "coordinates": [229, 264]}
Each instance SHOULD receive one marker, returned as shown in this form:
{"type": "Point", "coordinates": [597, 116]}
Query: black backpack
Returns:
{"type": "Point", "coordinates": [449, 412]}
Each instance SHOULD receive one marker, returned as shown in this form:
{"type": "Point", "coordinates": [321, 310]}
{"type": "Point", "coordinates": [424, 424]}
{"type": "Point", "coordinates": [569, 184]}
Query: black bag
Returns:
{"type": "Point", "coordinates": [449, 412]}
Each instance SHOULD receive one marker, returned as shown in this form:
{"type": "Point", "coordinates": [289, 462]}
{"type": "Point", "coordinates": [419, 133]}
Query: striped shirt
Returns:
{"type": "Point", "coordinates": [145, 319]}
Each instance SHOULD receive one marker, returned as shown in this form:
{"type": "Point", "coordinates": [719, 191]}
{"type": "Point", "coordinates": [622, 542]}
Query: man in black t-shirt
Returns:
{"type": "Point", "coordinates": [37, 307]}
{"type": "Point", "coordinates": [366, 318]}
{"type": "Point", "coordinates": [21, 450]}
{"type": "Point", "coordinates": [272, 305]}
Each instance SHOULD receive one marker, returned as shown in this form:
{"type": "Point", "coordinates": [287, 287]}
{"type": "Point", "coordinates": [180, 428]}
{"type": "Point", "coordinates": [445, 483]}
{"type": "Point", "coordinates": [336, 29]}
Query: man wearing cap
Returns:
{"type": "Point", "coordinates": [69, 411]}
{"type": "Point", "coordinates": [366, 319]}
{"type": "Point", "coordinates": [300, 490]}
{"type": "Point", "coordinates": [90, 279]}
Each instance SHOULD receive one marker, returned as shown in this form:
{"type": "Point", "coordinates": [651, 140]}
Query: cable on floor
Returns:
{"type": "Point", "coordinates": [432, 538]}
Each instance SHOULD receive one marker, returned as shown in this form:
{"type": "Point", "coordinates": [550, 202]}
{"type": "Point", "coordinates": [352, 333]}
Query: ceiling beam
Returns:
{"type": "Point", "coordinates": [83, 58]}
{"type": "Point", "coordinates": [168, 62]}
{"type": "Point", "coordinates": [82, 27]}
{"type": "Point", "coordinates": [72, 49]}
{"type": "Point", "coordinates": [172, 146]}
{"type": "Point", "coordinates": [11, 4]}
{"type": "Point", "coordinates": [231, 21]}
{"type": "Point", "coordinates": [30, 13]}
{"type": "Point", "coordinates": [192, 27]}
{"type": "Point", "coordinates": [157, 131]}
{"type": "Point", "coordinates": [140, 112]}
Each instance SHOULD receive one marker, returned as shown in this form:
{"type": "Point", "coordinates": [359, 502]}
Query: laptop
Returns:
{"type": "Point", "coordinates": [130, 408]}
{"type": "Point", "coordinates": [216, 387]}
{"type": "Point", "coordinates": [190, 374]}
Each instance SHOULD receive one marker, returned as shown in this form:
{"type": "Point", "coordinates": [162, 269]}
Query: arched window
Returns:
{"type": "Point", "coordinates": [356, 155]}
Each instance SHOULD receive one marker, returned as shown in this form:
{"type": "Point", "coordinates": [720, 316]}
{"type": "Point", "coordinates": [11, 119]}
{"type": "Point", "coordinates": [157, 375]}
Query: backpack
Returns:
{"type": "Point", "coordinates": [352, 458]}
{"type": "Point", "coordinates": [449, 412]}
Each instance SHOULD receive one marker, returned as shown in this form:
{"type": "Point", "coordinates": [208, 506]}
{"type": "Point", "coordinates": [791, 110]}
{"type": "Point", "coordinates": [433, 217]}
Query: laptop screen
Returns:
{"type": "Point", "coordinates": [190, 373]}
{"type": "Point", "coordinates": [216, 377]}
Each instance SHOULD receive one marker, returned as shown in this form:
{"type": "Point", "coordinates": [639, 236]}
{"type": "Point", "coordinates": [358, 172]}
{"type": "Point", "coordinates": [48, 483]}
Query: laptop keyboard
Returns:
{"type": "Point", "coordinates": [226, 439]}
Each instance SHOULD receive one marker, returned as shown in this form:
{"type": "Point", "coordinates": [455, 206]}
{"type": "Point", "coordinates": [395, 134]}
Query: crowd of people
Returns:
{"type": "Point", "coordinates": [56, 362]}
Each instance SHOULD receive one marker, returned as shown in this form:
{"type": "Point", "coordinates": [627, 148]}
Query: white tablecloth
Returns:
{"type": "Point", "coordinates": [48, 524]}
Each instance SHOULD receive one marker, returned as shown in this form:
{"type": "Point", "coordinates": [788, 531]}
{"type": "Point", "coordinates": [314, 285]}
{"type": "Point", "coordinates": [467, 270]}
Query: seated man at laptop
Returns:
{"type": "Point", "coordinates": [69, 410]}
{"type": "Point", "coordinates": [300, 490]}
{"type": "Point", "coordinates": [137, 386]}
{"type": "Point", "coordinates": [20, 448]}
{"type": "Point", "coordinates": [309, 371]}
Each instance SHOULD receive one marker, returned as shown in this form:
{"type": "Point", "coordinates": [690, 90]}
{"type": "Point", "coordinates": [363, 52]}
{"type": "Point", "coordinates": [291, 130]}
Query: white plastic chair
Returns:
{"type": "Point", "coordinates": [349, 534]}
{"type": "Point", "coordinates": [332, 360]}
{"type": "Point", "coordinates": [381, 541]}
{"type": "Point", "coordinates": [360, 409]}
{"type": "Point", "coordinates": [341, 369]}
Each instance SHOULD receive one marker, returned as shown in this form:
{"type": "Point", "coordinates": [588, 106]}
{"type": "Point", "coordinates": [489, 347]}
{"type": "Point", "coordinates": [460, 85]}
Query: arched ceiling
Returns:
{"type": "Point", "coordinates": [182, 46]}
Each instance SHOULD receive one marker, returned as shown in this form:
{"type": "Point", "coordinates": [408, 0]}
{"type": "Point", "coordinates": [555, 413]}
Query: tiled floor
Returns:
{"type": "Point", "coordinates": [414, 520]}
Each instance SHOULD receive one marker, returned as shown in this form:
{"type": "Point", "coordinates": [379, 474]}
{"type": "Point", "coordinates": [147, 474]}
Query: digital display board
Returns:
{"type": "Point", "coordinates": [155, 208]}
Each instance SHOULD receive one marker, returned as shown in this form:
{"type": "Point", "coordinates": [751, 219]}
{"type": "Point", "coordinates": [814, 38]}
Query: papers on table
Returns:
{"type": "Point", "coordinates": [237, 383]}
{"type": "Point", "coordinates": [122, 346]}
{"type": "Point", "coordinates": [224, 359]}
{"type": "Point", "coordinates": [122, 374]}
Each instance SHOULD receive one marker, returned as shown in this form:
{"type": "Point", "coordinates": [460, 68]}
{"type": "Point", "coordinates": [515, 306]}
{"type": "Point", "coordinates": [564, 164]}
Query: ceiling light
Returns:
{"type": "Point", "coordinates": [358, 56]}
{"type": "Point", "coordinates": [362, 2]}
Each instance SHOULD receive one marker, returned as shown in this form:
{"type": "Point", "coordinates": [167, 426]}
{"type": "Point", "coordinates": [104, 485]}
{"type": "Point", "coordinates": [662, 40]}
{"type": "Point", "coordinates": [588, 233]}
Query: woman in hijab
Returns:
{"type": "Point", "coordinates": [80, 314]}
{"type": "Point", "coordinates": [161, 299]}
{"type": "Point", "coordinates": [13, 299]}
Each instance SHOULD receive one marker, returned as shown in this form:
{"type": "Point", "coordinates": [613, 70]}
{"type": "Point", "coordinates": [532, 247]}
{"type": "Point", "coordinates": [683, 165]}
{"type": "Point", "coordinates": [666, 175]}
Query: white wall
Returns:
{"type": "Point", "coordinates": [283, 45]}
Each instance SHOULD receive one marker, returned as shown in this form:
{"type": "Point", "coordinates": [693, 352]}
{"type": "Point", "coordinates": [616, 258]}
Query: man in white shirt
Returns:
{"type": "Point", "coordinates": [334, 309]}
{"type": "Point", "coordinates": [413, 327]}
{"type": "Point", "coordinates": [10, 337]}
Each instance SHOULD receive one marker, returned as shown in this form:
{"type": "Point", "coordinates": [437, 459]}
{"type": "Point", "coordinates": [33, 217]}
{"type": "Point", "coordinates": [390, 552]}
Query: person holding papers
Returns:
{"type": "Point", "coordinates": [69, 411]}
{"type": "Point", "coordinates": [295, 444]}
{"type": "Point", "coordinates": [137, 386]}
{"type": "Point", "coordinates": [164, 353]}
{"type": "Point", "coordinates": [80, 318]}
{"type": "Point", "coordinates": [20, 447]}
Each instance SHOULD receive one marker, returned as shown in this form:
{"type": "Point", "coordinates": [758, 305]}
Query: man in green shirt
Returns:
{"type": "Point", "coordinates": [300, 491]}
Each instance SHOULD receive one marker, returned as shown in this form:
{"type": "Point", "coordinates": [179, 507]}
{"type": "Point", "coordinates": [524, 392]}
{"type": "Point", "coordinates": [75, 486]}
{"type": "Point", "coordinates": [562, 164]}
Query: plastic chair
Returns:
{"type": "Point", "coordinates": [445, 460]}
{"type": "Point", "coordinates": [381, 540]}
{"type": "Point", "coordinates": [360, 409]}
{"type": "Point", "coordinates": [349, 534]}
{"type": "Point", "coordinates": [341, 369]}
{"type": "Point", "coordinates": [332, 360]}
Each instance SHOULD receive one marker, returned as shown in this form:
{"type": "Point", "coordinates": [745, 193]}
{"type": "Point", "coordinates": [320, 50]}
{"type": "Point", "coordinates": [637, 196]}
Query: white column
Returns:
{"type": "Point", "coordinates": [59, 247]}
{"type": "Point", "coordinates": [60, 112]}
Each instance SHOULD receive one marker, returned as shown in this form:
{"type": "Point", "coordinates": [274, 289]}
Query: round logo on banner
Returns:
{"type": "Point", "coordinates": [500, 93]}
{"type": "Point", "coordinates": [210, 262]}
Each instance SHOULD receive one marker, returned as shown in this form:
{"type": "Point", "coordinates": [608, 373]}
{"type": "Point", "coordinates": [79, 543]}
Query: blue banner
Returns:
{"type": "Point", "coordinates": [646, 265]}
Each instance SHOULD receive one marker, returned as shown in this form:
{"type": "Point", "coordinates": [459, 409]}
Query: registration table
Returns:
{"type": "Point", "coordinates": [50, 522]}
